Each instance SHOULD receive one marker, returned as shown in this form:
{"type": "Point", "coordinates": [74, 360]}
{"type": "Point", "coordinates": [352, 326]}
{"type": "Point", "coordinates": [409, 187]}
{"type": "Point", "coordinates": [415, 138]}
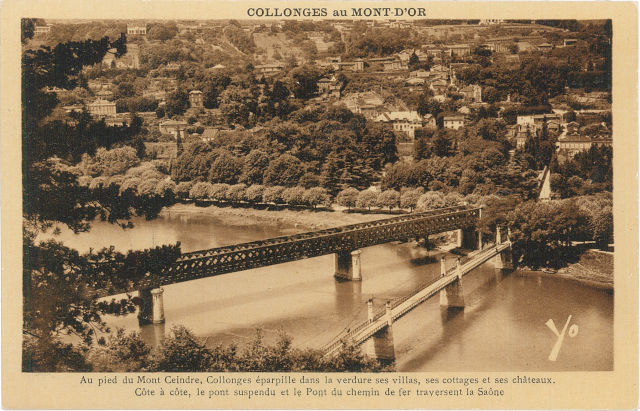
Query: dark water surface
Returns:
{"type": "Point", "coordinates": [502, 327]}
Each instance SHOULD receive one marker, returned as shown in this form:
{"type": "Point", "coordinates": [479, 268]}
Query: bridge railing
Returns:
{"type": "Point", "coordinates": [322, 233]}
{"type": "Point", "coordinates": [488, 249]}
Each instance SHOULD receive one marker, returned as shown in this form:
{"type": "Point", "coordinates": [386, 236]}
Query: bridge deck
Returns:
{"type": "Point", "coordinates": [403, 305]}
{"type": "Point", "coordinates": [239, 257]}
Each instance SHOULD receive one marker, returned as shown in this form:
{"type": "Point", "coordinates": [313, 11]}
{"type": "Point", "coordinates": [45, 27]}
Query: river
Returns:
{"type": "Point", "coordinates": [502, 327]}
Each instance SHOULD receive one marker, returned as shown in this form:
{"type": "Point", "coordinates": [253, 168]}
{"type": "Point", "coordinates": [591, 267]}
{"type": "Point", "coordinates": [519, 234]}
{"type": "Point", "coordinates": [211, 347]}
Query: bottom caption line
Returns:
{"type": "Point", "coordinates": [222, 386]}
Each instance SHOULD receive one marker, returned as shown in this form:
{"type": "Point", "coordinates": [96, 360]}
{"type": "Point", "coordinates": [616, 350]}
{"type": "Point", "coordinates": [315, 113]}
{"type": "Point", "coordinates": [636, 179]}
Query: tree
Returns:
{"type": "Point", "coordinates": [226, 169]}
{"type": "Point", "coordinates": [200, 191]}
{"type": "Point", "coordinates": [414, 61]}
{"type": "Point", "coordinates": [409, 197]}
{"type": "Point", "coordinates": [237, 193]}
{"type": "Point", "coordinates": [347, 197]}
{"type": "Point", "coordinates": [254, 193]}
{"type": "Point", "coordinates": [316, 196]}
{"type": "Point", "coordinates": [177, 103]}
{"type": "Point", "coordinates": [293, 195]}
{"type": "Point", "coordinates": [162, 31]}
{"type": "Point", "coordinates": [122, 352]}
{"type": "Point", "coordinates": [219, 191]}
{"type": "Point", "coordinates": [305, 81]}
{"type": "Point", "coordinates": [541, 233]}
{"type": "Point", "coordinates": [273, 195]}
{"type": "Point", "coordinates": [28, 29]}
{"type": "Point", "coordinates": [59, 288]}
{"type": "Point", "coordinates": [255, 164]}
{"type": "Point", "coordinates": [182, 352]}
{"type": "Point", "coordinates": [367, 198]}
{"type": "Point", "coordinates": [285, 170]}
{"type": "Point", "coordinates": [388, 198]}
{"type": "Point", "coordinates": [430, 200]}
{"type": "Point", "coordinates": [239, 105]}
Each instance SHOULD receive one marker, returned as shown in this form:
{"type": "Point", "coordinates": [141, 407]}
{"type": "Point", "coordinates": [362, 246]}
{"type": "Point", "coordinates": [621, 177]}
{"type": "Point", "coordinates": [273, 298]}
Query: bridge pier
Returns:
{"type": "Point", "coordinates": [469, 238]}
{"type": "Point", "coordinates": [452, 296]}
{"type": "Point", "coordinates": [502, 261]}
{"type": "Point", "coordinates": [348, 265]}
{"type": "Point", "coordinates": [151, 306]}
{"type": "Point", "coordinates": [380, 345]}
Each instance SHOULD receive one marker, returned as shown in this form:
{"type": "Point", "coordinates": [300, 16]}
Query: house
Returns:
{"type": "Point", "coordinates": [419, 74]}
{"type": "Point", "coordinates": [137, 29]}
{"type": "Point", "coordinates": [472, 92]}
{"type": "Point", "coordinates": [485, 22]}
{"type": "Point", "coordinates": [454, 122]}
{"type": "Point", "coordinates": [459, 50]}
{"type": "Point", "coordinates": [537, 120]}
{"type": "Point", "coordinates": [329, 87]}
{"type": "Point", "coordinates": [269, 68]}
{"type": "Point", "coordinates": [104, 95]}
{"type": "Point", "coordinates": [402, 121]}
{"type": "Point", "coordinates": [195, 99]}
{"type": "Point", "coordinates": [42, 30]}
{"type": "Point", "coordinates": [545, 47]}
{"type": "Point", "coordinates": [415, 81]}
{"type": "Point", "coordinates": [102, 108]}
{"type": "Point", "coordinates": [74, 108]}
{"type": "Point", "coordinates": [571, 144]}
{"type": "Point", "coordinates": [392, 65]}
{"type": "Point", "coordinates": [356, 65]}
{"type": "Point", "coordinates": [570, 42]}
{"type": "Point", "coordinates": [439, 86]}
{"type": "Point", "coordinates": [512, 59]}
{"type": "Point", "coordinates": [523, 132]}
{"type": "Point", "coordinates": [210, 134]}
{"type": "Point", "coordinates": [174, 127]}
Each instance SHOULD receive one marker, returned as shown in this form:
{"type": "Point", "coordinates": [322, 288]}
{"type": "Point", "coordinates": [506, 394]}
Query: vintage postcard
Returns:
{"type": "Point", "coordinates": [334, 205]}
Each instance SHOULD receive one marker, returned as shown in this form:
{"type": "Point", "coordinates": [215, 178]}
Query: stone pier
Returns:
{"type": "Point", "coordinates": [502, 262]}
{"type": "Point", "coordinates": [151, 309]}
{"type": "Point", "coordinates": [469, 238]}
{"type": "Point", "coordinates": [380, 345]}
{"type": "Point", "coordinates": [348, 265]}
{"type": "Point", "coordinates": [452, 296]}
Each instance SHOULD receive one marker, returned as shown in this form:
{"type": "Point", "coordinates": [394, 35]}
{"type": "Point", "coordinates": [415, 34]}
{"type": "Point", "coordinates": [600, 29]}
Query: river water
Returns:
{"type": "Point", "coordinates": [502, 327]}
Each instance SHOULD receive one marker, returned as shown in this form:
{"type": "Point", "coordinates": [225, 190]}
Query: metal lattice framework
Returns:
{"type": "Point", "coordinates": [245, 256]}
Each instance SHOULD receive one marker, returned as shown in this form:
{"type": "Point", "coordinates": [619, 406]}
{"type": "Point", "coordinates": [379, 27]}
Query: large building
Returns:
{"type": "Point", "coordinates": [173, 127]}
{"type": "Point", "coordinates": [454, 122]}
{"type": "Point", "coordinates": [100, 108]}
{"type": "Point", "coordinates": [136, 29]}
{"type": "Point", "coordinates": [537, 120]}
{"type": "Point", "coordinates": [404, 122]}
{"type": "Point", "coordinates": [195, 99]}
{"type": "Point", "coordinates": [42, 30]}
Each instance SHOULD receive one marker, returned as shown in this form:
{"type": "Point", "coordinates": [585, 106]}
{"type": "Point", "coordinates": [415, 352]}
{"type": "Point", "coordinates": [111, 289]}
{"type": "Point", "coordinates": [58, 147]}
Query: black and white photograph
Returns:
{"type": "Point", "coordinates": [287, 194]}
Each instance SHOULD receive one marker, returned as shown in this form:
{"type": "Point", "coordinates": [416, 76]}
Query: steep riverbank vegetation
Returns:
{"type": "Point", "coordinates": [182, 351]}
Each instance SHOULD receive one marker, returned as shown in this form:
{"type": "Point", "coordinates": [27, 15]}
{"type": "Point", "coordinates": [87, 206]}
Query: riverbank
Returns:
{"type": "Point", "coordinates": [306, 219]}
{"type": "Point", "coordinates": [594, 269]}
